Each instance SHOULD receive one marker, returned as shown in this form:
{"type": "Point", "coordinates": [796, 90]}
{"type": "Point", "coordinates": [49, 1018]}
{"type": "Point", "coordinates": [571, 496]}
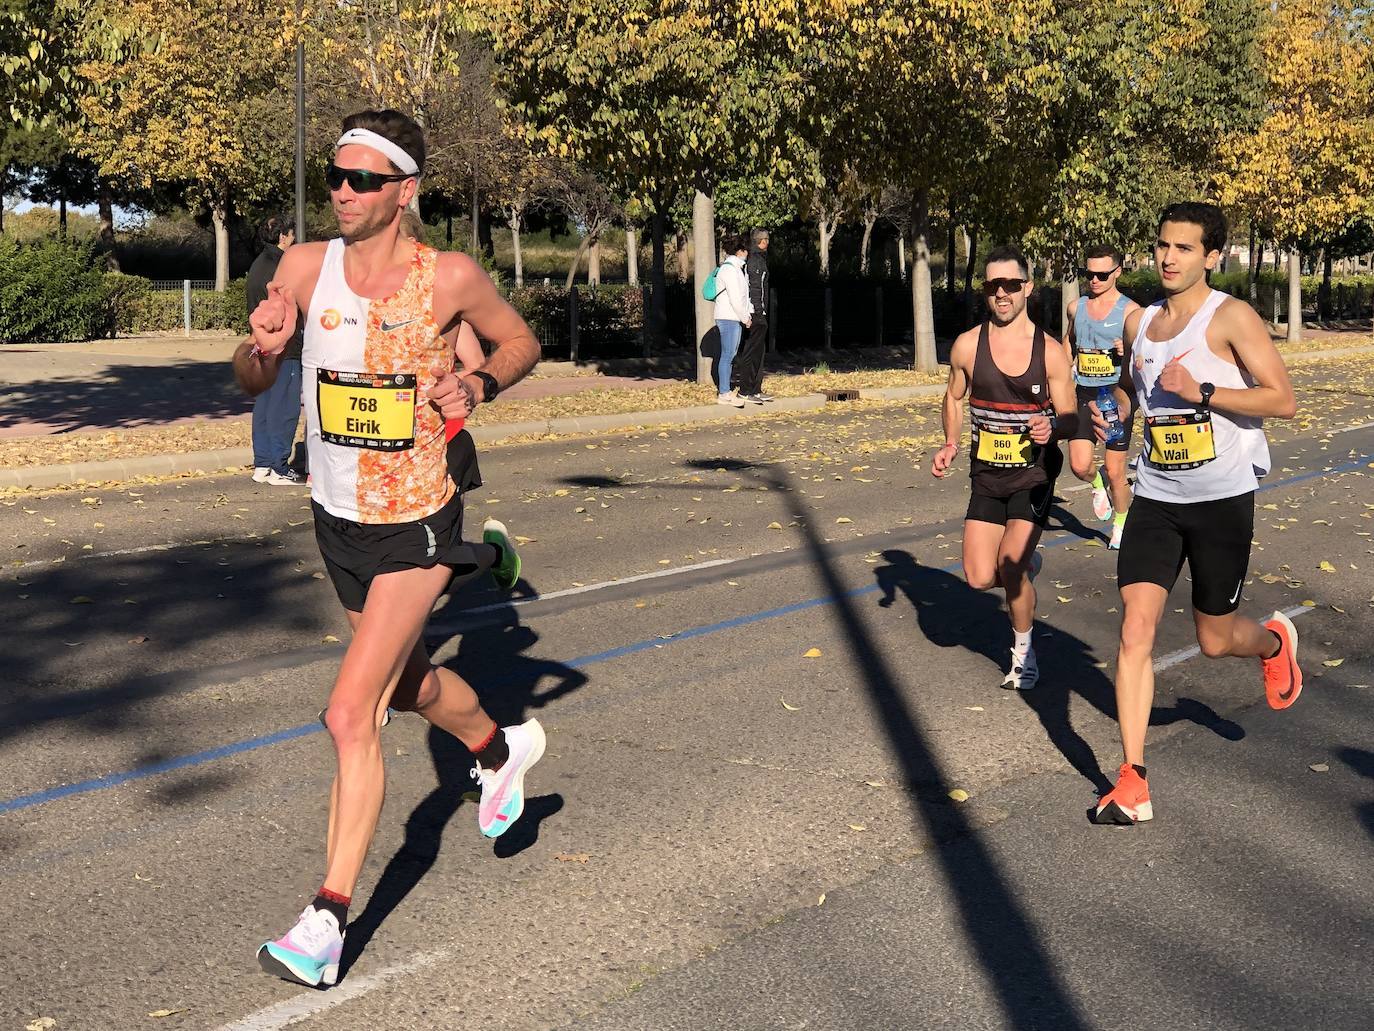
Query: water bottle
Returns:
{"type": "Point", "coordinates": [1106, 404]}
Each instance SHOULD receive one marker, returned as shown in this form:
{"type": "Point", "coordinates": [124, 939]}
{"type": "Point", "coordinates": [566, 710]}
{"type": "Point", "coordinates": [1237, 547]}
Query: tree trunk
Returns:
{"type": "Point", "coordinates": [704, 245]}
{"type": "Point", "coordinates": [107, 235]}
{"type": "Point", "coordinates": [513, 220]}
{"type": "Point", "coordinates": [448, 235]}
{"type": "Point", "coordinates": [950, 257]}
{"type": "Point", "coordinates": [1294, 295]}
{"type": "Point", "coordinates": [658, 279]}
{"type": "Point", "coordinates": [473, 240]}
{"type": "Point", "coordinates": [1068, 293]}
{"type": "Point", "coordinates": [62, 212]}
{"type": "Point", "coordinates": [484, 239]}
{"type": "Point", "coordinates": [1252, 271]}
{"type": "Point", "coordinates": [870, 220]}
{"type": "Point", "coordinates": [577, 261]}
{"type": "Point", "coordinates": [632, 255]}
{"type": "Point", "coordinates": [680, 246]}
{"type": "Point", "coordinates": [594, 263]}
{"type": "Point", "coordinates": [4, 190]}
{"type": "Point", "coordinates": [1324, 295]}
{"type": "Point", "coordinates": [970, 258]}
{"type": "Point", "coordinates": [922, 304]}
{"type": "Point", "coordinates": [827, 234]}
{"type": "Point", "coordinates": [219, 216]}
{"type": "Point", "coordinates": [901, 254]}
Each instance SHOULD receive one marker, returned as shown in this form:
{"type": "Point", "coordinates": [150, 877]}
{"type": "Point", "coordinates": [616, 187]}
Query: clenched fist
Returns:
{"type": "Point", "coordinates": [274, 320]}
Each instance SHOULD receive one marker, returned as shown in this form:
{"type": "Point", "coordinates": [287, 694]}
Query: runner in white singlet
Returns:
{"type": "Point", "coordinates": [382, 398]}
{"type": "Point", "coordinates": [1201, 369]}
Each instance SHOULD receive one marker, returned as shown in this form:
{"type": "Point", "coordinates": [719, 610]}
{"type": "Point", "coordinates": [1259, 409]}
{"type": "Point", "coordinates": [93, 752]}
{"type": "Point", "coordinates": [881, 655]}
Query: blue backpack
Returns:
{"type": "Point", "coordinates": [710, 289]}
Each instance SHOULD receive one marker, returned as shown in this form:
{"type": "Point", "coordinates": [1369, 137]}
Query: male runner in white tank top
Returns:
{"type": "Point", "coordinates": [383, 314]}
{"type": "Point", "coordinates": [1017, 380]}
{"type": "Point", "coordinates": [1201, 369]}
{"type": "Point", "coordinates": [1096, 323]}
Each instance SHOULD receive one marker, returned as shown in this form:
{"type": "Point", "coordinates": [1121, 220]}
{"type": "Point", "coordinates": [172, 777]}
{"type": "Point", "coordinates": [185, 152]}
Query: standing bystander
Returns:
{"type": "Point", "coordinates": [749, 366]}
{"type": "Point", "coordinates": [277, 410]}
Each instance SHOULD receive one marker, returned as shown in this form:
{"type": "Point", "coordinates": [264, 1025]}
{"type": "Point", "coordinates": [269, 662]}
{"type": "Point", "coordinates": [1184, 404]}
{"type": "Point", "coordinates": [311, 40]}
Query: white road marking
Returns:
{"type": "Point", "coordinates": [125, 551]}
{"type": "Point", "coordinates": [308, 1004]}
{"type": "Point", "coordinates": [1184, 654]}
{"type": "Point", "coordinates": [587, 588]}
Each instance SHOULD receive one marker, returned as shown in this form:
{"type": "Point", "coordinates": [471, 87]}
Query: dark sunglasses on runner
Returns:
{"type": "Point", "coordinates": [360, 180]}
{"type": "Point", "coordinates": [1011, 286]}
{"type": "Point", "coordinates": [1087, 273]}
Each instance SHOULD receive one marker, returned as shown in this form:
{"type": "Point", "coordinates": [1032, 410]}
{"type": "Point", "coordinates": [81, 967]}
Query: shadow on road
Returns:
{"type": "Point", "coordinates": [496, 662]}
{"type": "Point", "coordinates": [1362, 762]}
{"type": "Point", "coordinates": [953, 616]}
{"type": "Point", "coordinates": [123, 396]}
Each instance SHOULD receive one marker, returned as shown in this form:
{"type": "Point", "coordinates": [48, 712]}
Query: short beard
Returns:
{"type": "Point", "coordinates": [1015, 314]}
{"type": "Point", "coordinates": [360, 231]}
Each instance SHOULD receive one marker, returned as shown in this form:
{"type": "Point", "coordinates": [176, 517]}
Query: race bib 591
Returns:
{"type": "Point", "coordinates": [1181, 441]}
{"type": "Point", "coordinates": [1008, 449]}
{"type": "Point", "coordinates": [365, 410]}
{"type": "Point", "coordinates": [1096, 363]}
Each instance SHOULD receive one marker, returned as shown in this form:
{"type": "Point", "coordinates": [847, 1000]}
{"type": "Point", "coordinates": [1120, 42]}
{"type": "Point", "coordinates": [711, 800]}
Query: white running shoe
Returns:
{"type": "Point", "coordinates": [1117, 530]}
{"type": "Point", "coordinates": [503, 791]}
{"type": "Point", "coordinates": [732, 400]}
{"type": "Point", "coordinates": [309, 952]}
{"type": "Point", "coordinates": [1102, 503]}
{"type": "Point", "coordinates": [260, 473]}
{"type": "Point", "coordinates": [1024, 672]}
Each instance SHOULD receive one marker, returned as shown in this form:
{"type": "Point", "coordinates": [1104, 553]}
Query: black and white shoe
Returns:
{"type": "Point", "coordinates": [1024, 674]}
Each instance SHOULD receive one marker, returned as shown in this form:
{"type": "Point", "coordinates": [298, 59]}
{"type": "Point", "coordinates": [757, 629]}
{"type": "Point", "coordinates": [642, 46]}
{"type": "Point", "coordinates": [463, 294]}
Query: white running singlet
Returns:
{"type": "Point", "coordinates": [376, 455]}
{"type": "Point", "coordinates": [1191, 453]}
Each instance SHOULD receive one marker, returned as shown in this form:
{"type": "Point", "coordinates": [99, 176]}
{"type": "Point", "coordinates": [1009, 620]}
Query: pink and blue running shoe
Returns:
{"type": "Point", "coordinates": [309, 952]}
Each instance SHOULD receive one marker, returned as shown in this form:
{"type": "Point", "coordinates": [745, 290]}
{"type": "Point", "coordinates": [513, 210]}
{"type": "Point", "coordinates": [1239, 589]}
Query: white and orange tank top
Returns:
{"type": "Point", "coordinates": [1193, 453]}
{"type": "Point", "coordinates": [377, 455]}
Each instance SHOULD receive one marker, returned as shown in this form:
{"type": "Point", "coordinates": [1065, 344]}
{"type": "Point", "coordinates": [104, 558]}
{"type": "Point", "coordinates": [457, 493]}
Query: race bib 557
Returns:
{"type": "Point", "coordinates": [1096, 363]}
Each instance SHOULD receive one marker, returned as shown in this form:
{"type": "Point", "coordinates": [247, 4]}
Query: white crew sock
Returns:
{"type": "Point", "coordinates": [1022, 644]}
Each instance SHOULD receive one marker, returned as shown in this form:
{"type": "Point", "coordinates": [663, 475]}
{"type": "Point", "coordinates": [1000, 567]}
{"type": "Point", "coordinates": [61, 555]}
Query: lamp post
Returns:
{"type": "Point", "coordinates": [300, 131]}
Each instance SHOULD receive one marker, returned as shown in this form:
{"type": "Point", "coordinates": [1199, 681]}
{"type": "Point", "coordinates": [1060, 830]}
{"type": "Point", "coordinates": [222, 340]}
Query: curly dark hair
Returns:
{"type": "Point", "coordinates": [1208, 217]}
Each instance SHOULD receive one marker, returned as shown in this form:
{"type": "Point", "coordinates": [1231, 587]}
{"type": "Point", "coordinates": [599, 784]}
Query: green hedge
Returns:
{"type": "Point", "coordinates": [1351, 296]}
{"type": "Point", "coordinates": [52, 291]}
{"type": "Point", "coordinates": [152, 311]}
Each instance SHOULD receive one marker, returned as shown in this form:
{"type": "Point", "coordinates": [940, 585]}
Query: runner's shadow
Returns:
{"type": "Point", "coordinates": [507, 680]}
{"type": "Point", "coordinates": [951, 615]}
{"type": "Point", "coordinates": [1062, 519]}
{"type": "Point", "coordinates": [1362, 762]}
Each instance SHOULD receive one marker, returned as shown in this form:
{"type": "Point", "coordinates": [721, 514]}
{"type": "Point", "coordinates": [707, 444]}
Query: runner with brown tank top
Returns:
{"type": "Point", "coordinates": [382, 316]}
{"type": "Point", "coordinates": [1016, 380]}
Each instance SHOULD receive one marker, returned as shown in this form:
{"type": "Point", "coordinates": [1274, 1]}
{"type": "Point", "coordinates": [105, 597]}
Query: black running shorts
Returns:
{"type": "Point", "coordinates": [1214, 536]}
{"type": "Point", "coordinates": [1032, 504]}
{"type": "Point", "coordinates": [356, 553]}
{"type": "Point", "coordinates": [1085, 430]}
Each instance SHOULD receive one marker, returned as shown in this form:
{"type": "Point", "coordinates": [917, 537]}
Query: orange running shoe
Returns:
{"type": "Point", "coordinates": [1282, 678]}
{"type": "Point", "coordinates": [1126, 804]}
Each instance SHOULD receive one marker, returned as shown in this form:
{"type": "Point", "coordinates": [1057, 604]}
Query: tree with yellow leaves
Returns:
{"type": "Point", "coordinates": [1308, 170]}
{"type": "Point", "coordinates": [196, 99]}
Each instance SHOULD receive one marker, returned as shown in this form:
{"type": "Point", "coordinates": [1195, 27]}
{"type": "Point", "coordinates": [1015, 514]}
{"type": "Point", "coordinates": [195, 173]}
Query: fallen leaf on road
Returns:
{"type": "Point", "coordinates": [821, 901]}
{"type": "Point", "coordinates": [789, 708]}
{"type": "Point", "coordinates": [140, 639]}
{"type": "Point", "coordinates": [81, 599]}
{"type": "Point", "coordinates": [1319, 767]}
{"type": "Point", "coordinates": [1326, 567]}
{"type": "Point", "coordinates": [41, 1024]}
{"type": "Point", "coordinates": [775, 526]}
{"type": "Point", "coordinates": [959, 795]}
{"type": "Point", "coordinates": [974, 708]}
{"type": "Point", "coordinates": [811, 653]}
{"type": "Point", "coordinates": [875, 784]}
{"type": "Point", "coordinates": [732, 583]}
{"type": "Point", "coordinates": [1063, 600]}
{"type": "Point", "coordinates": [1337, 608]}
{"type": "Point", "coordinates": [329, 639]}
{"type": "Point", "coordinates": [1333, 663]}
{"type": "Point", "coordinates": [572, 857]}
{"type": "Point", "coordinates": [165, 1013]}
{"type": "Point", "coordinates": [844, 519]}
{"type": "Point", "coordinates": [317, 576]}
{"type": "Point", "coordinates": [1309, 603]}
{"type": "Point", "coordinates": [857, 827]}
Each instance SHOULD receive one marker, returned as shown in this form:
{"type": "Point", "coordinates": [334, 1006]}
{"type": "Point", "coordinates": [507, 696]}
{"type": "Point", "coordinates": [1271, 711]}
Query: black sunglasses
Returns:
{"type": "Point", "coordinates": [1087, 273]}
{"type": "Point", "coordinates": [1011, 286]}
{"type": "Point", "coordinates": [360, 180]}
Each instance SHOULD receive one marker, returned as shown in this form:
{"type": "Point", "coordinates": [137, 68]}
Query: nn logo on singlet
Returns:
{"type": "Point", "coordinates": [331, 319]}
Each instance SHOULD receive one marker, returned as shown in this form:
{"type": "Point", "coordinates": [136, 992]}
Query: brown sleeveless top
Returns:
{"type": "Point", "coordinates": [1003, 458]}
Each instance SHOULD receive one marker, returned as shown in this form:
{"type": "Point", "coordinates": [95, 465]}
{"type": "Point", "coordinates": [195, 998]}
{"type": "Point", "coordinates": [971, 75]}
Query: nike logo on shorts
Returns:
{"type": "Point", "coordinates": [433, 545]}
{"type": "Point", "coordinates": [387, 327]}
{"type": "Point", "coordinates": [1237, 594]}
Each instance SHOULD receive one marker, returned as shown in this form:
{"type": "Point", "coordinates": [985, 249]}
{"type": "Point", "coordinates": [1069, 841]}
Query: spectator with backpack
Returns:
{"type": "Point", "coordinates": [729, 288]}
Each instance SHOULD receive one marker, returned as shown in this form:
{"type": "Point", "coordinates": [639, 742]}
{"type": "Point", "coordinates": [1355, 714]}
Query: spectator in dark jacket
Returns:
{"type": "Point", "coordinates": [277, 410]}
{"type": "Point", "coordinates": [749, 365]}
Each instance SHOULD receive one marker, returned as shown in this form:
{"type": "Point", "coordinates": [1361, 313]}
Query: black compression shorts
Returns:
{"type": "Point", "coordinates": [1214, 537]}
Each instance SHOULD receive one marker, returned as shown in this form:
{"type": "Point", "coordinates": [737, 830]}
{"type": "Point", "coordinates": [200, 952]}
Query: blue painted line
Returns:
{"type": "Point", "coordinates": [166, 766]}
{"type": "Point", "coordinates": [198, 758]}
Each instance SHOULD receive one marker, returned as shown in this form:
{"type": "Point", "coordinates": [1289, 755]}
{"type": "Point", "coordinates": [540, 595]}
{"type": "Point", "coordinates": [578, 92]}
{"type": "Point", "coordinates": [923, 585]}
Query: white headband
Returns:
{"type": "Point", "coordinates": [383, 146]}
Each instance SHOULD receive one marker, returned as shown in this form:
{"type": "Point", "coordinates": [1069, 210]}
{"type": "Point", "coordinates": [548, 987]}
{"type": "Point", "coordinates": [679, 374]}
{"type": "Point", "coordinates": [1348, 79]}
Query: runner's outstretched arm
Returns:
{"type": "Point", "coordinates": [952, 407]}
{"type": "Point", "coordinates": [1058, 370]}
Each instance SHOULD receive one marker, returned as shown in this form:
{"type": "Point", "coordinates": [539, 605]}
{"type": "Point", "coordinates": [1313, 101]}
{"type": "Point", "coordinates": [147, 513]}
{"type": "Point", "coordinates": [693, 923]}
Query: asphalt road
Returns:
{"type": "Point", "coordinates": [725, 832]}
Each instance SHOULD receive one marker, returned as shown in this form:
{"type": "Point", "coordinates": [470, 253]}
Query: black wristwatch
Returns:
{"type": "Point", "coordinates": [490, 388]}
{"type": "Point", "coordinates": [1207, 390]}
